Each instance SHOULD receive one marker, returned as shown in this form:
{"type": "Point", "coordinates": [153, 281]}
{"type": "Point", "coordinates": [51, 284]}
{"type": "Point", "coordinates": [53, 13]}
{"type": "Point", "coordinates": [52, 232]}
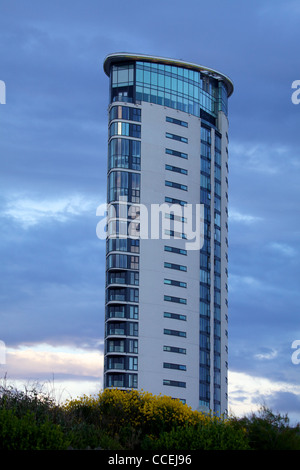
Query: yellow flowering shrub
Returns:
{"type": "Point", "coordinates": [139, 410]}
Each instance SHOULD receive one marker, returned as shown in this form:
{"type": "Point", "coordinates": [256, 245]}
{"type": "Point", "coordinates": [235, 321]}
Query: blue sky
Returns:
{"type": "Point", "coordinates": [53, 137]}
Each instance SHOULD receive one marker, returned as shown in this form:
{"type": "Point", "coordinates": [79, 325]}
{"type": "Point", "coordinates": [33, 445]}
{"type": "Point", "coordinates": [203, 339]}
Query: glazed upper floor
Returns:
{"type": "Point", "coordinates": [180, 85]}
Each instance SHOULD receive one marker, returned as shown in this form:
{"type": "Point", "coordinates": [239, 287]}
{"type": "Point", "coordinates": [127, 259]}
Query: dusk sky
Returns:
{"type": "Point", "coordinates": [53, 146]}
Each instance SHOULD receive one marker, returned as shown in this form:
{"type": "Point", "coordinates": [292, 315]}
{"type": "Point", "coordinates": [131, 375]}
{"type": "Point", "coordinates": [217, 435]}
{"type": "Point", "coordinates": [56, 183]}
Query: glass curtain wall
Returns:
{"type": "Point", "coordinates": [122, 262]}
{"type": "Point", "coordinates": [180, 88]}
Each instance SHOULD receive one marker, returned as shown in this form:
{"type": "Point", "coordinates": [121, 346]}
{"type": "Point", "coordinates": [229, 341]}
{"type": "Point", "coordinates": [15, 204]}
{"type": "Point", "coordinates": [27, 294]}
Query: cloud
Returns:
{"type": "Point", "coordinates": [52, 270]}
{"type": "Point", "coordinates": [236, 216]}
{"type": "Point", "coordinates": [30, 212]}
{"type": "Point", "coordinates": [43, 360]}
{"type": "Point", "coordinates": [266, 354]}
{"type": "Point", "coordinates": [247, 393]}
{"type": "Point", "coordinates": [61, 371]}
{"type": "Point", "coordinates": [283, 249]}
{"type": "Point", "coordinates": [239, 282]}
{"type": "Point", "coordinates": [260, 157]}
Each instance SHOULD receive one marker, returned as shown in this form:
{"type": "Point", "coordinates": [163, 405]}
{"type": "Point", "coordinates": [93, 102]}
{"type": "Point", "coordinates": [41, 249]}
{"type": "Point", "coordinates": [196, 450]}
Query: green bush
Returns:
{"type": "Point", "coordinates": [24, 433]}
{"type": "Point", "coordinates": [213, 435]}
{"type": "Point", "coordinates": [31, 400]}
{"type": "Point", "coordinates": [269, 431]}
{"type": "Point", "coordinates": [82, 435]}
{"type": "Point", "coordinates": [119, 420]}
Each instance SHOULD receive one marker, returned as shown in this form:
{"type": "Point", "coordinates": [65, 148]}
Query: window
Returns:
{"type": "Point", "coordinates": [217, 203]}
{"type": "Point", "coordinates": [204, 292]}
{"type": "Point", "coordinates": [123, 244]}
{"type": "Point", "coordinates": [204, 341]}
{"type": "Point", "coordinates": [116, 328]}
{"type": "Point", "coordinates": [204, 276]}
{"type": "Point", "coordinates": [123, 261]}
{"type": "Point", "coordinates": [133, 295]}
{"type": "Point", "coordinates": [175, 217]}
{"type": "Point", "coordinates": [124, 153]}
{"type": "Point", "coordinates": [204, 392]}
{"type": "Point", "coordinates": [133, 346]}
{"type": "Point", "coordinates": [176, 137]}
{"type": "Point", "coordinates": [179, 267]}
{"type": "Point", "coordinates": [132, 363]}
{"type": "Point", "coordinates": [115, 311]}
{"type": "Point", "coordinates": [176, 153]}
{"type": "Point", "coordinates": [125, 112]}
{"type": "Point", "coordinates": [172, 184]}
{"type": "Point", "coordinates": [122, 75]}
{"type": "Point", "coordinates": [205, 150]}
{"type": "Point", "coordinates": [217, 188]}
{"type": "Point", "coordinates": [178, 300]}
{"type": "Point", "coordinates": [205, 165]}
{"type": "Point", "coordinates": [167, 331]}
{"type": "Point", "coordinates": [125, 128]}
{"type": "Point", "coordinates": [121, 380]}
{"type": "Point", "coordinates": [133, 311]}
{"type": "Point", "coordinates": [174, 383]}
{"type": "Point", "coordinates": [204, 358]}
{"type": "Point", "coordinates": [218, 219]}
{"type": "Point", "coordinates": [173, 200]}
{"type": "Point", "coordinates": [176, 169]}
{"type": "Point", "coordinates": [175, 316]}
{"type": "Point", "coordinates": [176, 235]}
{"type": "Point", "coordinates": [204, 309]}
{"type": "Point", "coordinates": [132, 329]}
{"type": "Point", "coordinates": [205, 134]}
{"type": "Point", "coordinates": [116, 294]}
{"type": "Point", "coordinates": [173, 249]}
{"type": "Point", "coordinates": [218, 158]}
{"type": "Point", "coordinates": [170, 365]}
{"type": "Point", "coordinates": [205, 182]}
{"type": "Point", "coordinates": [115, 380]}
{"type": "Point", "coordinates": [174, 349]}
{"type": "Point", "coordinates": [217, 234]}
{"type": "Point", "coordinates": [172, 282]}
{"type": "Point", "coordinates": [115, 345]}
{"type": "Point", "coordinates": [218, 144]}
{"type": "Point", "coordinates": [123, 277]}
{"type": "Point", "coordinates": [116, 363]}
{"type": "Point", "coordinates": [123, 183]}
{"type": "Point", "coordinates": [181, 89]}
{"type": "Point", "coordinates": [176, 121]}
{"type": "Point", "coordinates": [133, 278]}
{"type": "Point", "coordinates": [116, 277]}
{"type": "Point", "coordinates": [132, 380]}
{"type": "Point", "coordinates": [217, 173]}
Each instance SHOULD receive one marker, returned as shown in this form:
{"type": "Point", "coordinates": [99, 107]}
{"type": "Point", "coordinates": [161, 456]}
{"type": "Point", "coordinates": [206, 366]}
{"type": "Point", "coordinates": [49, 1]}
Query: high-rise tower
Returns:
{"type": "Point", "coordinates": [166, 320]}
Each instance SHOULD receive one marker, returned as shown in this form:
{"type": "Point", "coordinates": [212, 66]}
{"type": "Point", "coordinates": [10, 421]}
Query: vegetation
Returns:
{"type": "Point", "coordinates": [119, 420]}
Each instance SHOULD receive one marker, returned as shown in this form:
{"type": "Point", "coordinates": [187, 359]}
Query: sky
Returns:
{"type": "Point", "coordinates": [53, 145]}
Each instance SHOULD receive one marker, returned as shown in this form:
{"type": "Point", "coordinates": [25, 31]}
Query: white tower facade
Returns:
{"type": "Point", "coordinates": [166, 320]}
